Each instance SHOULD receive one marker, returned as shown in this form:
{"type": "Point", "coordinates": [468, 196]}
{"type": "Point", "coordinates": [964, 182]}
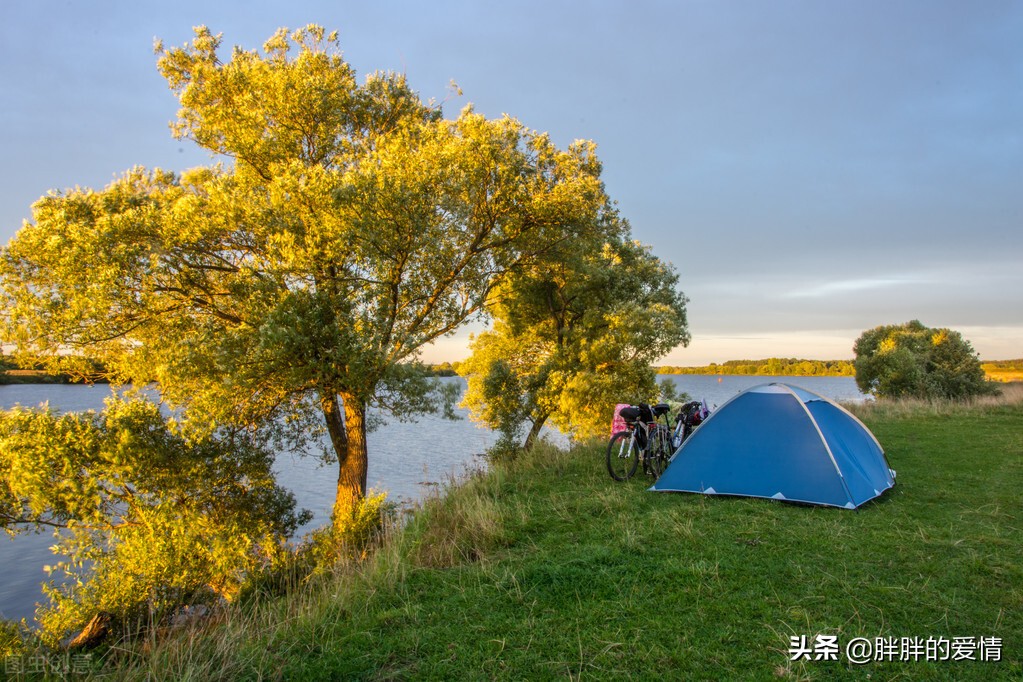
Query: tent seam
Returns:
{"type": "Point", "coordinates": [827, 446]}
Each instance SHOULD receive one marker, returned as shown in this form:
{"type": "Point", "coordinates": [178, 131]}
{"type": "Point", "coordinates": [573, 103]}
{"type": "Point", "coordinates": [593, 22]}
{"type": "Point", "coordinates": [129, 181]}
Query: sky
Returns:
{"type": "Point", "coordinates": [811, 169]}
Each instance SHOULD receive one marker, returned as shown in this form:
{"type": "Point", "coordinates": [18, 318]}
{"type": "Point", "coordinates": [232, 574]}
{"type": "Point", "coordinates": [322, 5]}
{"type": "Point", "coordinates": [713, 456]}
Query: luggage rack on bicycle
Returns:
{"type": "Point", "coordinates": [689, 416]}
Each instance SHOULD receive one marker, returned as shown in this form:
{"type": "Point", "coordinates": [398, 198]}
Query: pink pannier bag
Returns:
{"type": "Point", "coordinates": [618, 423]}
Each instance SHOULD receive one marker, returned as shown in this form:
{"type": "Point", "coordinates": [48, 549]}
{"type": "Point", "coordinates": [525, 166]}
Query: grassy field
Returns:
{"type": "Point", "coordinates": [1003, 370]}
{"type": "Point", "coordinates": [545, 568]}
{"type": "Point", "coordinates": [1004, 375]}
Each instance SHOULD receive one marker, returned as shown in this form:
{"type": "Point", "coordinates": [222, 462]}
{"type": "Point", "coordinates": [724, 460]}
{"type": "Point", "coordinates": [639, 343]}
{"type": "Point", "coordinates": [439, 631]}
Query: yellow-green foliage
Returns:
{"type": "Point", "coordinates": [12, 639]}
{"type": "Point", "coordinates": [349, 224]}
{"type": "Point", "coordinates": [915, 361]}
{"type": "Point", "coordinates": [146, 520]}
{"type": "Point", "coordinates": [576, 335]}
{"type": "Point", "coordinates": [349, 535]}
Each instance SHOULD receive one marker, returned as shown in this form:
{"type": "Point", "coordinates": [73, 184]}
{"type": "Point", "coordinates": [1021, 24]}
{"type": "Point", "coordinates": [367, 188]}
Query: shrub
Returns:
{"type": "Point", "coordinates": [911, 360]}
{"type": "Point", "coordinates": [147, 520]}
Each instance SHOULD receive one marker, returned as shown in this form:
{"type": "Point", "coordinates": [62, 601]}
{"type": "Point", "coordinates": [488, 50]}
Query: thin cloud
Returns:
{"type": "Point", "coordinates": [850, 286]}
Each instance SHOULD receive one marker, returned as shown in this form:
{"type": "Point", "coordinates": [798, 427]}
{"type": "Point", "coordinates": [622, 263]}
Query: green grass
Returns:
{"type": "Point", "coordinates": [548, 569]}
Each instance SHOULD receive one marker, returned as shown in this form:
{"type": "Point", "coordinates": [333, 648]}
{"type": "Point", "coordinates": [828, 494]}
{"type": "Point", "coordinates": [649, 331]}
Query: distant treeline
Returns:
{"type": "Point", "coordinates": [30, 376]}
{"type": "Point", "coordinates": [444, 369]}
{"type": "Point", "coordinates": [11, 373]}
{"type": "Point", "coordinates": [771, 367]}
{"type": "Point", "coordinates": [768, 367]}
{"type": "Point", "coordinates": [1013, 365]}
{"type": "Point", "coordinates": [1004, 370]}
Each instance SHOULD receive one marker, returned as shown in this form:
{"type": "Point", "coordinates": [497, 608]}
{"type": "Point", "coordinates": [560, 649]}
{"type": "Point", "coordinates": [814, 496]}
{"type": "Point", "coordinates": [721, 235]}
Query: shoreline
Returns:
{"type": "Point", "coordinates": [10, 377]}
{"type": "Point", "coordinates": [15, 377]}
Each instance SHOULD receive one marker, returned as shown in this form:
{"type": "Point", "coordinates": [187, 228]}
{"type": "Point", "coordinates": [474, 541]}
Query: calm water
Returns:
{"type": "Point", "coordinates": [717, 390]}
{"type": "Point", "coordinates": [408, 460]}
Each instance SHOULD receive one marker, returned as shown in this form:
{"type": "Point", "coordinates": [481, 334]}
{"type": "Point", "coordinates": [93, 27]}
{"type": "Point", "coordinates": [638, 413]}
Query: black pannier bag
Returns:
{"type": "Point", "coordinates": [642, 413]}
{"type": "Point", "coordinates": [693, 413]}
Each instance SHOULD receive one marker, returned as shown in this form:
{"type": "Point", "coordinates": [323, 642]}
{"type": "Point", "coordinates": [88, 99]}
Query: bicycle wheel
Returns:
{"type": "Point", "coordinates": [622, 456]}
{"type": "Point", "coordinates": [659, 451]}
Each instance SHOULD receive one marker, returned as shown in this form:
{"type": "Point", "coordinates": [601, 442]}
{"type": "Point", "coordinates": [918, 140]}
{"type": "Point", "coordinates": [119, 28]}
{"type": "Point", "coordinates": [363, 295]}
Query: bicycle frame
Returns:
{"type": "Point", "coordinates": [680, 433]}
{"type": "Point", "coordinates": [654, 439]}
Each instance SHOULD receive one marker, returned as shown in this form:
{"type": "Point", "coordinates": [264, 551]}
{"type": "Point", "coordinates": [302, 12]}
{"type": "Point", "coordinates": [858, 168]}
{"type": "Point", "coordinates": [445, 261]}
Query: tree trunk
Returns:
{"type": "Point", "coordinates": [534, 431]}
{"type": "Point", "coordinates": [348, 436]}
{"type": "Point", "coordinates": [94, 632]}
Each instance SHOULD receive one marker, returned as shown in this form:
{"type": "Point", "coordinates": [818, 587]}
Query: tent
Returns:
{"type": "Point", "coordinates": [785, 443]}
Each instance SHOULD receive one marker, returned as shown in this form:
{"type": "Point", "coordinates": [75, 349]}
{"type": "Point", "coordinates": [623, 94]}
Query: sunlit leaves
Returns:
{"type": "Point", "coordinates": [348, 224]}
{"type": "Point", "coordinates": [147, 519]}
{"type": "Point", "coordinates": [911, 360]}
{"type": "Point", "coordinates": [575, 335]}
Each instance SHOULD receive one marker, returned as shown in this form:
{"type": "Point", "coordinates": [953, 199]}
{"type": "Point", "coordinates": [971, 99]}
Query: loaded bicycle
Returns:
{"type": "Point", "coordinates": [688, 418]}
{"type": "Point", "coordinates": [643, 439]}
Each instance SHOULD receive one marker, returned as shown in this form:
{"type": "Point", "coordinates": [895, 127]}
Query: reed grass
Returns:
{"type": "Point", "coordinates": [1009, 395]}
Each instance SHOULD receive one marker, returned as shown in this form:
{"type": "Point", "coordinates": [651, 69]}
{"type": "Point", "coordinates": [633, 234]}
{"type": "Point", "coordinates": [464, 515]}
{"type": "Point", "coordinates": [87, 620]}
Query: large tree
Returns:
{"type": "Point", "coordinates": [913, 360]}
{"type": "Point", "coordinates": [574, 334]}
{"type": "Point", "coordinates": [295, 281]}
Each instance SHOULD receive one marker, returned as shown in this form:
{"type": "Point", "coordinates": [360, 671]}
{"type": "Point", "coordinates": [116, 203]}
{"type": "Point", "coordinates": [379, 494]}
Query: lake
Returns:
{"type": "Point", "coordinates": [408, 460]}
{"type": "Point", "coordinates": [717, 390]}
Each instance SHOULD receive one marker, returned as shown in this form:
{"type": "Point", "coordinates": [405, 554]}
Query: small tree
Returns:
{"type": "Point", "coordinates": [575, 335]}
{"type": "Point", "coordinates": [912, 360]}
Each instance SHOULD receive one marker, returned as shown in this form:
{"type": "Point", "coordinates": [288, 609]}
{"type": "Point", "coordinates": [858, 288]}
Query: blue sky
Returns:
{"type": "Point", "coordinates": [812, 169]}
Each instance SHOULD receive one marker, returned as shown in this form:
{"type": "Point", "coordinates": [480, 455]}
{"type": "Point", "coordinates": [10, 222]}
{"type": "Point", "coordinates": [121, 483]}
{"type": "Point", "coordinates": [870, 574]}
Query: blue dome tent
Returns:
{"type": "Point", "coordinates": [784, 443]}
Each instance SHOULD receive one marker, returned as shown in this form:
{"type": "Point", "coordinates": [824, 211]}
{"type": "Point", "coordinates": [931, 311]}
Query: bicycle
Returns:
{"type": "Point", "coordinates": [643, 439]}
{"type": "Point", "coordinates": [688, 418]}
